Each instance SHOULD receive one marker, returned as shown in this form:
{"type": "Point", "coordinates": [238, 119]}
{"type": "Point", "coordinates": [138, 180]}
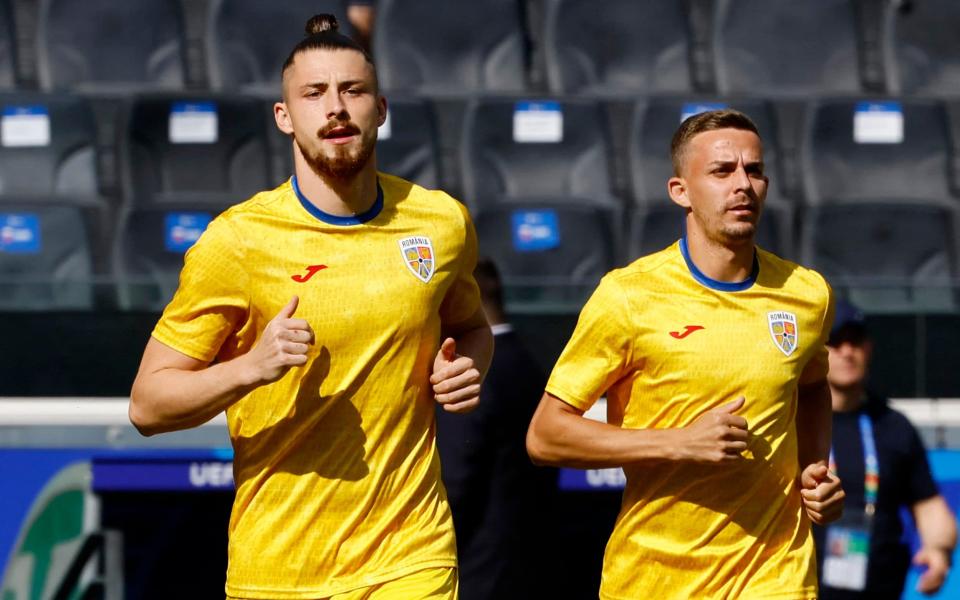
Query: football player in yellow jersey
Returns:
{"type": "Point", "coordinates": [313, 315]}
{"type": "Point", "coordinates": [711, 354]}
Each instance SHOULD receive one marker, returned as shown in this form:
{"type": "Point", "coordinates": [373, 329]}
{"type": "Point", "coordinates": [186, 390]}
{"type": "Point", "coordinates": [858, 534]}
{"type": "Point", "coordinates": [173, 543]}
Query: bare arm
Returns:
{"type": "Point", "coordinates": [173, 391]}
{"type": "Point", "coordinates": [821, 491]}
{"type": "Point", "coordinates": [560, 435]}
{"type": "Point", "coordinates": [462, 363]}
{"type": "Point", "coordinates": [938, 538]}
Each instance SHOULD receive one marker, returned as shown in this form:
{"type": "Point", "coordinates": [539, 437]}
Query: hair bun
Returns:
{"type": "Point", "coordinates": [321, 23]}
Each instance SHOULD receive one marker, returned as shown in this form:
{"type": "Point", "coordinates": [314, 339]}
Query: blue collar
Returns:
{"type": "Point", "coordinates": [360, 219]}
{"type": "Point", "coordinates": [722, 286]}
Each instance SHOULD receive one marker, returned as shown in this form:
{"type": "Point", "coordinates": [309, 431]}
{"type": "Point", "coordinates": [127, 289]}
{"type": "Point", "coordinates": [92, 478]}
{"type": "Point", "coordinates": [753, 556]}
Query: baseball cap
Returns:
{"type": "Point", "coordinates": [849, 324]}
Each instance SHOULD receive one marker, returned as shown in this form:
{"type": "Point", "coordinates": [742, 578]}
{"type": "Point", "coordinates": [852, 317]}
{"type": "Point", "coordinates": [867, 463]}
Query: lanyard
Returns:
{"type": "Point", "coordinates": [871, 466]}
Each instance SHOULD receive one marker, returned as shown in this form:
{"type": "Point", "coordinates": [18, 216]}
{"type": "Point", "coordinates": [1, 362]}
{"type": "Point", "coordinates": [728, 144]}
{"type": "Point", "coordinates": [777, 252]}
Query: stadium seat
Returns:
{"type": "Point", "coordinates": [407, 145]}
{"type": "Point", "coordinates": [926, 49]}
{"type": "Point", "coordinates": [426, 46]}
{"type": "Point", "coordinates": [617, 47]}
{"type": "Point", "coordinates": [47, 146]}
{"type": "Point", "coordinates": [105, 45]}
{"type": "Point", "coordinates": [8, 44]}
{"type": "Point", "coordinates": [149, 248]}
{"type": "Point", "coordinates": [551, 254]}
{"type": "Point", "coordinates": [202, 148]}
{"type": "Point", "coordinates": [886, 256]}
{"type": "Point", "coordinates": [896, 149]}
{"type": "Point", "coordinates": [783, 47]}
{"type": "Point", "coordinates": [239, 53]}
{"type": "Point", "coordinates": [515, 148]}
{"type": "Point", "coordinates": [48, 254]}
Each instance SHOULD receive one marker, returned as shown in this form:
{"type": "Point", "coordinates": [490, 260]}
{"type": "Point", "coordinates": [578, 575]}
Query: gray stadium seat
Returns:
{"type": "Point", "coordinates": [48, 146]}
{"type": "Point", "coordinates": [105, 45]}
{"type": "Point", "coordinates": [836, 166]}
{"type": "Point", "coordinates": [47, 254]}
{"type": "Point", "coordinates": [149, 248]}
{"type": "Point", "coordinates": [8, 44]}
{"type": "Point", "coordinates": [411, 150]}
{"type": "Point", "coordinates": [248, 40]}
{"type": "Point", "coordinates": [926, 49]}
{"type": "Point", "coordinates": [497, 167]}
{"type": "Point", "coordinates": [886, 255]}
{"type": "Point", "coordinates": [784, 47]}
{"type": "Point", "coordinates": [617, 47]}
{"type": "Point", "coordinates": [173, 152]}
{"type": "Point", "coordinates": [550, 254]}
{"type": "Point", "coordinates": [429, 47]}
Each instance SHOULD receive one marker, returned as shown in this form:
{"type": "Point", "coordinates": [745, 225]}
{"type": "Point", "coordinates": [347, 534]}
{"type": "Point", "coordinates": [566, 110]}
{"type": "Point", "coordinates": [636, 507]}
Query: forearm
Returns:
{"type": "Point", "coordinates": [814, 424]}
{"type": "Point", "coordinates": [936, 524]}
{"type": "Point", "coordinates": [170, 399]}
{"type": "Point", "coordinates": [477, 344]}
{"type": "Point", "coordinates": [562, 438]}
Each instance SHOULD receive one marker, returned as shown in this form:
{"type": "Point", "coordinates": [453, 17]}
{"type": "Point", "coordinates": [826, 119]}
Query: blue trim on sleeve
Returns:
{"type": "Point", "coordinates": [360, 219]}
{"type": "Point", "coordinates": [722, 286]}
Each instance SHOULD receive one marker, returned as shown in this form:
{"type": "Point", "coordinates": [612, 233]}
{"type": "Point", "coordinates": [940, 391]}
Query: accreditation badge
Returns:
{"type": "Point", "coordinates": [847, 552]}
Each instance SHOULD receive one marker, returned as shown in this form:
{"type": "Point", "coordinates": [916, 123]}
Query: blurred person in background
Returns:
{"type": "Point", "coordinates": [501, 502]}
{"type": "Point", "coordinates": [881, 459]}
{"type": "Point", "coordinates": [362, 14]}
{"type": "Point", "coordinates": [327, 317]}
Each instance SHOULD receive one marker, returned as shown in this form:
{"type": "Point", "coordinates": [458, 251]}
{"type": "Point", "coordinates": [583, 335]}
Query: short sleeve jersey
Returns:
{"type": "Point", "coordinates": [336, 468]}
{"type": "Point", "coordinates": [666, 343]}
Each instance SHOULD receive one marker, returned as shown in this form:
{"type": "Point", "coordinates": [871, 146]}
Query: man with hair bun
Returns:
{"type": "Point", "coordinates": [711, 355]}
{"type": "Point", "coordinates": [327, 317]}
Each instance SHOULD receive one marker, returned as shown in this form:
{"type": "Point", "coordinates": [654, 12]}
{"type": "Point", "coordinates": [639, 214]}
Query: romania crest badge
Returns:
{"type": "Point", "coordinates": [418, 255]}
{"type": "Point", "coordinates": [783, 328]}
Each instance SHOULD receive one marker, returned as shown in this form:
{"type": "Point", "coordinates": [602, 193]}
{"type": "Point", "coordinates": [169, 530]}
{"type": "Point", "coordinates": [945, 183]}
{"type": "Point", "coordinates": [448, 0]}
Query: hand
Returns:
{"type": "Point", "coordinates": [455, 379]}
{"type": "Point", "coordinates": [937, 561]}
{"type": "Point", "coordinates": [716, 436]}
{"type": "Point", "coordinates": [821, 493]}
{"type": "Point", "coordinates": [284, 344]}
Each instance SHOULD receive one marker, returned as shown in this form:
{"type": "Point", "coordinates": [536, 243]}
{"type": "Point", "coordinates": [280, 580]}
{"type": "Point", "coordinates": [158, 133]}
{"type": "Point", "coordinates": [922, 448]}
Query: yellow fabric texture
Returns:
{"type": "Point", "coordinates": [685, 530]}
{"type": "Point", "coordinates": [336, 467]}
{"type": "Point", "coordinates": [428, 584]}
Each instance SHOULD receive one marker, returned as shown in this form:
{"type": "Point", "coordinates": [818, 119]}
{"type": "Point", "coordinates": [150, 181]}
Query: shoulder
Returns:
{"type": "Point", "coordinates": [643, 274]}
{"type": "Point", "coordinates": [803, 280]}
{"type": "Point", "coordinates": [409, 196]}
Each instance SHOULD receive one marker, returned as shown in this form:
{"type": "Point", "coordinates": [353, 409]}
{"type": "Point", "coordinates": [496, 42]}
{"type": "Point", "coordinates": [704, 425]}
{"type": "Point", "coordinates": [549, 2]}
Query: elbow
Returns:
{"type": "Point", "coordinates": [539, 449]}
{"type": "Point", "coordinates": [139, 416]}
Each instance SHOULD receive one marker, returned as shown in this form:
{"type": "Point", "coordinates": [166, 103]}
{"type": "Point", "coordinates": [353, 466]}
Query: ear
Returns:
{"type": "Point", "coordinates": [381, 110]}
{"type": "Point", "coordinates": [677, 188]}
{"type": "Point", "coordinates": [282, 117]}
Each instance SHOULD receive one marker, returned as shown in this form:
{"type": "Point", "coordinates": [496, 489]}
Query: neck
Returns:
{"type": "Point", "coordinates": [847, 399]}
{"type": "Point", "coordinates": [340, 197]}
{"type": "Point", "coordinates": [722, 262]}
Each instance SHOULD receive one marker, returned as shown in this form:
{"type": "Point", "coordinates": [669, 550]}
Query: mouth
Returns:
{"type": "Point", "coordinates": [340, 135]}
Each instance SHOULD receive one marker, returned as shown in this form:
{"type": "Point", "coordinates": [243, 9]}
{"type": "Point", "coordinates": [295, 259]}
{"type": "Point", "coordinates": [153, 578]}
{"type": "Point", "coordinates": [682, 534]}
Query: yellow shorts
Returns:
{"type": "Point", "coordinates": [438, 583]}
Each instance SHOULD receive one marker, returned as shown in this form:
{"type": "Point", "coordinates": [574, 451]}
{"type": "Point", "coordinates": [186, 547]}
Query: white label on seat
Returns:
{"type": "Point", "coordinates": [25, 126]}
{"type": "Point", "coordinates": [537, 122]}
{"type": "Point", "coordinates": [878, 123]}
{"type": "Point", "coordinates": [695, 108]}
{"type": "Point", "coordinates": [384, 131]}
{"type": "Point", "coordinates": [193, 123]}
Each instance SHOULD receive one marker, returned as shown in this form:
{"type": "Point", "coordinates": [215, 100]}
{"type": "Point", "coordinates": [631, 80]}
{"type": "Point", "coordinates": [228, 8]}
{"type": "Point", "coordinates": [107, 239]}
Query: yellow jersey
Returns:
{"type": "Point", "coordinates": [666, 344]}
{"type": "Point", "coordinates": [336, 468]}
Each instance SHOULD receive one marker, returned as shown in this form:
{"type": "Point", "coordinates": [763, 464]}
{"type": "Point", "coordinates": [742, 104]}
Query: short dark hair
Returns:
{"type": "Point", "coordinates": [710, 120]}
{"type": "Point", "coordinates": [322, 33]}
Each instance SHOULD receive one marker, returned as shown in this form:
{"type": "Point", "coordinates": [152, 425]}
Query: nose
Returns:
{"type": "Point", "coordinates": [741, 179]}
{"type": "Point", "coordinates": [333, 104]}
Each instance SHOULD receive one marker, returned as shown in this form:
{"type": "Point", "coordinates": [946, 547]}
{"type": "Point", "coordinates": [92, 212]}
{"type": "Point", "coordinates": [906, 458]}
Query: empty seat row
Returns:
{"type": "Point", "coordinates": [890, 256]}
{"type": "Point", "coordinates": [766, 47]}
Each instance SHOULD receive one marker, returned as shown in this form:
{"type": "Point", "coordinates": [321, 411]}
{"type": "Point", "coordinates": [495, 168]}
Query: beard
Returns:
{"type": "Point", "coordinates": [345, 164]}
